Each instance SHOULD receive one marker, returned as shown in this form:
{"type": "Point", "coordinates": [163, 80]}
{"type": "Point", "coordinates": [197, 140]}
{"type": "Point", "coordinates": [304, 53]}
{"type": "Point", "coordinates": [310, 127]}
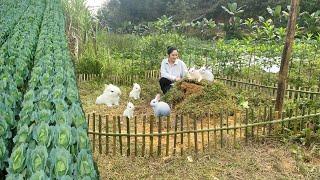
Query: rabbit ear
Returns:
{"type": "Point", "coordinates": [157, 97]}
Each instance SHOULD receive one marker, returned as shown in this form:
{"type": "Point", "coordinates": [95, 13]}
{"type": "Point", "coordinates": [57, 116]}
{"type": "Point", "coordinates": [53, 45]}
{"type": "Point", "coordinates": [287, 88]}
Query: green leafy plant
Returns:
{"type": "Point", "coordinates": [37, 159]}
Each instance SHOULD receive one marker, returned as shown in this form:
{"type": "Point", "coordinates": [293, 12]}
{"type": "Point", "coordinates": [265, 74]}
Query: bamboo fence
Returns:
{"type": "Point", "coordinates": [182, 134]}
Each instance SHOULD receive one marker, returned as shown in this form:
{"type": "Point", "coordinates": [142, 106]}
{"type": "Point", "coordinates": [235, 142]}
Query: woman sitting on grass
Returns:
{"type": "Point", "coordinates": [172, 69]}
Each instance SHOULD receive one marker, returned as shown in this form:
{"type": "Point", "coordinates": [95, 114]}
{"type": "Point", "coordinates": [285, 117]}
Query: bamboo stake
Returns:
{"type": "Point", "coordinates": [202, 135]}
{"type": "Point", "coordinates": [135, 138]}
{"type": "Point", "coordinates": [100, 144]}
{"type": "Point", "coordinates": [143, 137]}
{"type": "Point", "coordinates": [221, 131]}
{"type": "Point", "coordinates": [120, 137]}
{"type": "Point", "coordinates": [181, 129]}
{"type": "Point", "coordinates": [246, 129]}
{"type": "Point", "coordinates": [195, 135]}
{"type": "Point", "coordinates": [151, 135]}
{"type": "Point", "coordinates": [175, 135]}
{"type": "Point", "coordinates": [128, 137]}
{"type": "Point", "coordinates": [114, 137]}
{"type": "Point", "coordinates": [159, 137]}
{"type": "Point", "coordinates": [107, 137]}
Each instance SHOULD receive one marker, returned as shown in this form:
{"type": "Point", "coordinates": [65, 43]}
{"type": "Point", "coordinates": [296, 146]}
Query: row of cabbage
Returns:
{"type": "Point", "coordinates": [52, 140]}
{"type": "Point", "coordinates": [11, 11]}
{"type": "Point", "coordinates": [16, 59]}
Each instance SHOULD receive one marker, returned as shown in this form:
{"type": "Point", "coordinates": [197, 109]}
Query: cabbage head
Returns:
{"type": "Point", "coordinates": [63, 136]}
{"type": "Point", "coordinates": [60, 163]}
{"type": "Point", "coordinates": [42, 134]}
{"type": "Point", "coordinates": [17, 159]}
{"type": "Point", "coordinates": [85, 165]}
{"type": "Point", "coordinates": [37, 159]}
{"type": "Point", "coordinates": [23, 135]}
{"type": "Point", "coordinates": [62, 117]}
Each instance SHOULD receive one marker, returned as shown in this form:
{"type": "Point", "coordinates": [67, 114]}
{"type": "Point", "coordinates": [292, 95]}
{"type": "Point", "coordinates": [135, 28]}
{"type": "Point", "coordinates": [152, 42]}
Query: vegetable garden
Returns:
{"type": "Point", "coordinates": [43, 128]}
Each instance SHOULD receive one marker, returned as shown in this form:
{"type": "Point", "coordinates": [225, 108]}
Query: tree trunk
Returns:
{"type": "Point", "coordinates": [286, 54]}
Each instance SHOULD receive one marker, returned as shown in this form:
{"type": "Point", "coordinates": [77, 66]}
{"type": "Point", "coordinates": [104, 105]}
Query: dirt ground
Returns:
{"type": "Point", "coordinates": [271, 160]}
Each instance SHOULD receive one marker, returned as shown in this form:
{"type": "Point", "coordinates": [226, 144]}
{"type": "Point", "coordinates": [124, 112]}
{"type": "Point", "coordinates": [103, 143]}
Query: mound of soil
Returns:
{"type": "Point", "coordinates": [190, 97]}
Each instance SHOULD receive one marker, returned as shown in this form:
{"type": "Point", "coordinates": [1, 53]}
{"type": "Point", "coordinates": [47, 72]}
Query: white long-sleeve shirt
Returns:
{"type": "Point", "coordinates": [178, 69]}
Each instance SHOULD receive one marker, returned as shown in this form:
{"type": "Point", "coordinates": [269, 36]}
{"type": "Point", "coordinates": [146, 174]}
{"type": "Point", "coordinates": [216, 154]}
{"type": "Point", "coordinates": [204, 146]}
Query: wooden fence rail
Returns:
{"type": "Point", "coordinates": [181, 134]}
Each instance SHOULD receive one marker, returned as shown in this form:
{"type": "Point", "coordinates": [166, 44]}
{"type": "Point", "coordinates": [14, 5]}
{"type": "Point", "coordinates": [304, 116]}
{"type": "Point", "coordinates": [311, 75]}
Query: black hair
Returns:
{"type": "Point", "coordinates": [170, 49]}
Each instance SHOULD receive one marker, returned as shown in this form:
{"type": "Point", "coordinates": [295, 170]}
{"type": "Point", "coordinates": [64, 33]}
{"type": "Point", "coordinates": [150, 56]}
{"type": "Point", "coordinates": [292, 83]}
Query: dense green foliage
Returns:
{"type": "Point", "coordinates": [251, 58]}
{"type": "Point", "coordinates": [41, 114]}
{"type": "Point", "coordinates": [119, 15]}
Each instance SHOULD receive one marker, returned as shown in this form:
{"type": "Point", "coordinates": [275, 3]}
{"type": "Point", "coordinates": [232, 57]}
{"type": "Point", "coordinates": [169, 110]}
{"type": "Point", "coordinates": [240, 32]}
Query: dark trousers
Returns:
{"type": "Point", "coordinates": [165, 84]}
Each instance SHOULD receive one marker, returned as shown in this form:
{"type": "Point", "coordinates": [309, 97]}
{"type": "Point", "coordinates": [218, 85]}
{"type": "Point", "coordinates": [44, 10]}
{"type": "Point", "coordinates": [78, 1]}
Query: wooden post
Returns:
{"type": "Point", "coordinates": [143, 137]}
{"type": "Point", "coordinates": [159, 136]}
{"type": "Point", "coordinates": [94, 132]}
{"type": "Point", "coordinates": [202, 135]}
{"type": "Point", "coordinates": [120, 137]}
{"type": "Point", "coordinates": [221, 131]}
{"type": "Point", "coordinates": [128, 136]}
{"type": "Point", "coordinates": [286, 55]}
{"type": "Point", "coordinates": [175, 135]}
{"type": "Point", "coordinates": [151, 135]}
{"type": "Point", "coordinates": [270, 119]}
{"type": "Point", "coordinates": [107, 136]}
{"type": "Point", "coordinates": [246, 128]}
{"type": "Point", "coordinates": [135, 137]}
{"type": "Point", "coordinates": [195, 134]}
{"type": "Point", "coordinates": [215, 133]}
{"type": "Point", "coordinates": [227, 120]}
{"type": "Point", "coordinates": [181, 129]}
{"type": "Point", "coordinates": [167, 142]}
{"type": "Point", "coordinates": [100, 144]}
{"type": "Point", "coordinates": [188, 128]}
{"type": "Point", "coordinates": [114, 137]}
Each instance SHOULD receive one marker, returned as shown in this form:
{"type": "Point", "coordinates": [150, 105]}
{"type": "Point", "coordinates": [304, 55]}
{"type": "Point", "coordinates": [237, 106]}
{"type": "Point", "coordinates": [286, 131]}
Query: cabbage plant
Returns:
{"type": "Point", "coordinates": [78, 117]}
{"type": "Point", "coordinates": [14, 177]}
{"type": "Point", "coordinates": [63, 136]}
{"type": "Point", "coordinates": [61, 117]}
{"type": "Point", "coordinates": [85, 167]}
{"type": "Point", "coordinates": [37, 159]}
{"type": "Point", "coordinates": [60, 163]}
{"type": "Point", "coordinates": [82, 139]}
{"type": "Point", "coordinates": [39, 175]}
{"type": "Point", "coordinates": [3, 154]}
{"type": "Point", "coordinates": [42, 134]}
{"type": "Point", "coordinates": [17, 159]}
{"type": "Point", "coordinates": [23, 135]}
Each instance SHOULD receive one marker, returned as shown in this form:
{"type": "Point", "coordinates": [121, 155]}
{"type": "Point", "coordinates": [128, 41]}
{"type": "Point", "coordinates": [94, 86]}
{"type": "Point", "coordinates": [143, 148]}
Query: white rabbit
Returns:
{"type": "Point", "coordinates": [110, 96]}
{"type": "Point", "coordinates": [128, 112]}
{"type": "Point", "coordinates": [160, 108]}
{"type": "Point", "coordinates": [195, 74]}
{"type": "Point", "coordinates": [206, 73]}
{"type": "Point", "coordinates": [135, 92]}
